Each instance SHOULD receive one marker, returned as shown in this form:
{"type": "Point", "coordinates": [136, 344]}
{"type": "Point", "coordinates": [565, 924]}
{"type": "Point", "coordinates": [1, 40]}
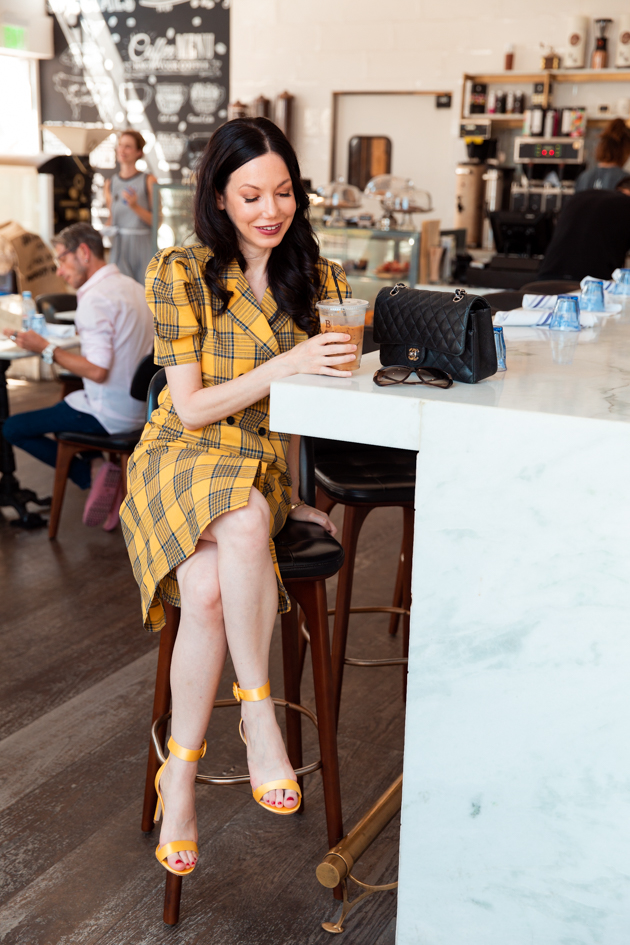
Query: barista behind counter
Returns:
{"type": "Point", "coordinates": [592, 235]}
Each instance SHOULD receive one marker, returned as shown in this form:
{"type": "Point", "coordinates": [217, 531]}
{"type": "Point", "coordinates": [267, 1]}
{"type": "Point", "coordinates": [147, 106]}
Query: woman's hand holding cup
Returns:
{"type": "Point", "coordinates": [323, 354]}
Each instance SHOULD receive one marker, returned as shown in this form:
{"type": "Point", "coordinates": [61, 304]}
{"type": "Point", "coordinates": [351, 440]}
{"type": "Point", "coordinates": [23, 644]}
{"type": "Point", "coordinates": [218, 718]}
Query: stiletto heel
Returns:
{"type": "Point", "coordinates": [284, 784]}
{"type": "Point", "coordinates": [177, 846]}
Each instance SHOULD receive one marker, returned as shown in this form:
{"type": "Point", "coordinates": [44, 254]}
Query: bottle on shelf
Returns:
{"type": "Point", "coordinates": [537, 121]}
{"type": "Point", "coordinates": [28, 310]}
{"type": "Point", "coordinates": [599, 59]}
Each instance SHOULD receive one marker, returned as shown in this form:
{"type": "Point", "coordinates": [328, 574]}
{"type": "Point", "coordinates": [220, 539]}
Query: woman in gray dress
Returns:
{"type": "Point", "coordinates": [129, 196]}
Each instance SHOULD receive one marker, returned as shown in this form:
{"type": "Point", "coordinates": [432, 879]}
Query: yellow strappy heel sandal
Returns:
{"type": "Point", "coordinates": [186, 754]}
{"type": "Point", "coordinates": [284, 784]}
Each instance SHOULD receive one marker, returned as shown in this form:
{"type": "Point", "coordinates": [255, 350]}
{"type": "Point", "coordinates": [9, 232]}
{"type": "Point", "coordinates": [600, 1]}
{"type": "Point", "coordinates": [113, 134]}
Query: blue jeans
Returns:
{"type": "Point", "coordinates": [28, 431]}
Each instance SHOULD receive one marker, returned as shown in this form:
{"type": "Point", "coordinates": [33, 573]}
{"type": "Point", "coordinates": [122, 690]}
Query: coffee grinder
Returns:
{"type": "Point", "coordinates": [469, 179]}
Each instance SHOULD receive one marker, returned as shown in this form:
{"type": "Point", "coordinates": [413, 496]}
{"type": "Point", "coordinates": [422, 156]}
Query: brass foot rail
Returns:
{"type": "Point", "coordinates": [336, 867]}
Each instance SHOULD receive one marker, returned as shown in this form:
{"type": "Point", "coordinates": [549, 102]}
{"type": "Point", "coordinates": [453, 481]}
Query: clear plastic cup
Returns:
{"type": "Point", "coordinates": [499, 343]}
{"type": "Point", "coordinates": [592, 297]}
{"type": "Point", "coordinates": [566, 314]}
{"type": "Point", "coordinates": [349, 317]}
{"type": "Point", "coordinates": [622, 286]}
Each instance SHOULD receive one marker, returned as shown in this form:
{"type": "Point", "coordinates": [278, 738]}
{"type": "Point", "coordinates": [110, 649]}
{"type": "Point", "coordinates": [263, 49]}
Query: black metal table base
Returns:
{"type": "Point", "coordinates": [12, 496]}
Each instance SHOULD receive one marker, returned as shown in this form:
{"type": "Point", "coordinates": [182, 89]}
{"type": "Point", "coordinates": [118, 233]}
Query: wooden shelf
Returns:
{"type": "Point", "coordinates": [547, 77]}
{"type": "Point", "coordinates": [558, 75]}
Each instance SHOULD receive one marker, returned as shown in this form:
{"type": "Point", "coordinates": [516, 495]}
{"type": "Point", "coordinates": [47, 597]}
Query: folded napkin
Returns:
{"type": "Point", "coordinates": [548, 302]}
{"type": "Point", "coordinates": [538, 318]}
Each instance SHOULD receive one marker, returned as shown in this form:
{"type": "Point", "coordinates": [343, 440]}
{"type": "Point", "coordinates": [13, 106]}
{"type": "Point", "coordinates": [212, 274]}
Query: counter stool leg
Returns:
{"type": "Point", "coordinates": [65, 454]}
{"type": "Point", "coordinates": [172, 898]}
{"type": "Point", "coordinates": [353, 518]}
{"type": "Point", "coordinates": [408, 527]}
{"type": "Point", "coordinates": [292, 675]}
{"type": "Point", "coordinates": [323, 503]}
{"type": "Point", "coordinates": [394, 619]}
{"type": "Point", "coordinates": [161, 705]}
{"type": "Point", "coordinates": [312, 598]}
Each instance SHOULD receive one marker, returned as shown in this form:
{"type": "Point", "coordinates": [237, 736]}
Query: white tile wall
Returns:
{"type": "Point", "coordinates": [312, 47]}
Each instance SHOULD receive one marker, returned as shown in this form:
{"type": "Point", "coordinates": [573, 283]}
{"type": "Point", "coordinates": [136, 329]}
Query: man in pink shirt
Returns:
{"type": "Point", "coordinates": [115, 326]}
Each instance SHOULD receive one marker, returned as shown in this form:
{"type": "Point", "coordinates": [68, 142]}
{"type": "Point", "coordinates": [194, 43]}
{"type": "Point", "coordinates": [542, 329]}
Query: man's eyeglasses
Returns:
{"type": "Point", "coordinates": [60, 256]}
{"type": "Point", "coordinates": [399, 374]}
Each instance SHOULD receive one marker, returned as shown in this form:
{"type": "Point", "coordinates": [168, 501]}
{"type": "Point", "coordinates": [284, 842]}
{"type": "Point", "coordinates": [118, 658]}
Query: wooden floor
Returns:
{"type": "Point", "coordinates": [75, 705]}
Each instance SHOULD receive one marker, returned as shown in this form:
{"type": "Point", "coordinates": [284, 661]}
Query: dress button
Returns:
{"type": "Point", "coordinates": [231, 421]}
{"type": "Point", "coordinates": [261, 431]}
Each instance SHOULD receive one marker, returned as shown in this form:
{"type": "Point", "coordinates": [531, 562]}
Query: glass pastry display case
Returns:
{"type": "Point", "coordinates": [172, 216]}
{"type": "Point", "coordinates": [371, 258]}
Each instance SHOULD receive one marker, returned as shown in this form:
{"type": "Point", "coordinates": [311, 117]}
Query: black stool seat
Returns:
{"type": "Point", "coordinates": [115, 441]}
{"type": "Point", "coordinates": [305, 550]}
{"type": "Point", "coordinates": [351, 472]}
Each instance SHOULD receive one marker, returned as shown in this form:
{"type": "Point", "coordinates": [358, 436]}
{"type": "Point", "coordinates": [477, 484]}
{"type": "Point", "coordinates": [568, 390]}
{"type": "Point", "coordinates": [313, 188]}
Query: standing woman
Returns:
{"type": "Point", "coordinates": [129, 196]}
{"type": "Point", "coordinates": [209, 483]}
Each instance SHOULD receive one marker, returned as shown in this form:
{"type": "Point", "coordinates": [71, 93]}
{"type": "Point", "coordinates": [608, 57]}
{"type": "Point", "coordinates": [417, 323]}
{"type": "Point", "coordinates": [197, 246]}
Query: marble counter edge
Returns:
{"type": "Point", "coordinates": [292, 412]}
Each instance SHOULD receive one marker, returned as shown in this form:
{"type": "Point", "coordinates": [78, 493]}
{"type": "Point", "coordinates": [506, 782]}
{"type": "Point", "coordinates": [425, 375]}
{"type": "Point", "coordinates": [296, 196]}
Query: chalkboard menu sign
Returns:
{"type": "Point", "coordinates": [160, 66]}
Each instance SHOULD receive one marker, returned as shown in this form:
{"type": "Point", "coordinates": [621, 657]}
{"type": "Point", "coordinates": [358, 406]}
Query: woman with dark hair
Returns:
{"type": "Point", "coordinates": [209, 483]}
{"type": "Point", "coordinates": [613, 150]}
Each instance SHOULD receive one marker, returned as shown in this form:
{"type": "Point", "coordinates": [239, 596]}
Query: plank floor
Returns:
{"type": "Point", "coordinates": [76, 691]}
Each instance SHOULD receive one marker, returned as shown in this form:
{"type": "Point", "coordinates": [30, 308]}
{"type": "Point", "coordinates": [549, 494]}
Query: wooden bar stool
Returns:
{"type": "Point", "coordinates": [119, 445]}
{"type": "Point", "coordinates": [307, 556]}
{"type": "Point", "coordinates": [363, 478]}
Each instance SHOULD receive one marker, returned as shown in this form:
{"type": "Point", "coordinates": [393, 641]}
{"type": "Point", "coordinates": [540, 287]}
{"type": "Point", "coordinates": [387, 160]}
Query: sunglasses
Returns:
{"type": "Point", "coordinates": [398, 374]}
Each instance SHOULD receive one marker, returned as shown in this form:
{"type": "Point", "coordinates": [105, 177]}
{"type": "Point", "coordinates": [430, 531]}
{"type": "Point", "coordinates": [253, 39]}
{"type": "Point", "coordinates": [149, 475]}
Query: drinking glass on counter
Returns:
{"type": "Point", "coordinates": [499, 343]}
{"type": "Point", "coordinates": [622, 286]}
{"type": "Point", "coordinates": [346, 316]}
{"type": "Point", "coordinates": [592, 298]}
{"type": "Point", "coordinates": [566, 314]}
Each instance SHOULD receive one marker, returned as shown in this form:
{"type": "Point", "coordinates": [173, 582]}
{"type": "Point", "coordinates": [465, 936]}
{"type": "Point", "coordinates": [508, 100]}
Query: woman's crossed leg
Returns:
{"type": "Point", "coordinates": [229, 597]}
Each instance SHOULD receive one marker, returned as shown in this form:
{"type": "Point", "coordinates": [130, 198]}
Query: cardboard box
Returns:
{"type": "Point", "coordinates": [36, 270]}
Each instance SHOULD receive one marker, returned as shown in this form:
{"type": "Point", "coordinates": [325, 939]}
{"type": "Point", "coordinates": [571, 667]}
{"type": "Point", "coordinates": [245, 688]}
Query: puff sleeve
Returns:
{"type": "Point", "coordinates": [172, 294]}
{"type": "Point", "coordinates": [329, 271]}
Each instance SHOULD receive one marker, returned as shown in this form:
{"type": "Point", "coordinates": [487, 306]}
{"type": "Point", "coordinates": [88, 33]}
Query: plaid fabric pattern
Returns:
{"type": "Point", "coordinates": [180, 480]}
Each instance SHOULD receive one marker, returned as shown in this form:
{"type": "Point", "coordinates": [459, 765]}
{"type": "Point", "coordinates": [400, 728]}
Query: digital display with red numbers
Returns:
{"type": "Point", "coordinates": [568, 151]}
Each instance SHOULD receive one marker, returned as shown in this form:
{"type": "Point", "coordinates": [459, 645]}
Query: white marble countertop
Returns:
{"type": "Point", "coordinates": [593, 383]}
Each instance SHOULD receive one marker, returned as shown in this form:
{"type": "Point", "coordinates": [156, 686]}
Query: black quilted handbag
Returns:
{"type": "Point", "coordinates": [451, 331]}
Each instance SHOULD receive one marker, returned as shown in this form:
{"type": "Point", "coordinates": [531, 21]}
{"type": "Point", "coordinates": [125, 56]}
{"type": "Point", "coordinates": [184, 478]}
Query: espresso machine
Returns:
{"type": "Point", "coordinates": [521, 229]}
{"type": "Point", "coordinates": [550, 167]}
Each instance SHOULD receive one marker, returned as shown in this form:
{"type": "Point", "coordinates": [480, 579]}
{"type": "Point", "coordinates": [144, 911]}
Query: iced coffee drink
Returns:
{"type": "Point", "coordinates": [347, 317]}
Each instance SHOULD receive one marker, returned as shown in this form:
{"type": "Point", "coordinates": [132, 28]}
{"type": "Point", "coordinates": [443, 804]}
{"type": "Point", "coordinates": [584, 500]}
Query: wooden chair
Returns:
{"type": "Point", "coordinates": [307, 556]}
{"type": "Point", "coordinates": [119, 445]}
{"type": "Point", "coordinates": [363, 478]}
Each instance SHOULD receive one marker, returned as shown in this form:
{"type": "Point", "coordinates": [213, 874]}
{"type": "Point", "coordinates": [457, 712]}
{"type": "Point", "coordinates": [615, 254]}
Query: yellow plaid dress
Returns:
{"type": "Point", "coordinates": [180, 480]}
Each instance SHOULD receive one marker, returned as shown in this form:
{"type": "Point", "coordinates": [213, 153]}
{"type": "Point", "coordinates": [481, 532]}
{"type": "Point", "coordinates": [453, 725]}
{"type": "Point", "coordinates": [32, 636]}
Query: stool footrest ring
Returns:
{"type": "Point", "coordinates": [241, 778]}
{"type": "Point", "coordinates": [349, 661]}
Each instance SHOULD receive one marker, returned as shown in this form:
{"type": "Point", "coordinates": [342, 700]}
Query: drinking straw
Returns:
{"type": "Point", "coordinates": [336, 285]}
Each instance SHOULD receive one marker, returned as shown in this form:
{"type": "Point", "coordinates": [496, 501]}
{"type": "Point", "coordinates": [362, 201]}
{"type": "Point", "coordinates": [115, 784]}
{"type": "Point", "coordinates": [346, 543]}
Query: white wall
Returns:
{"type": "Point", "coordinates": [312, 47]}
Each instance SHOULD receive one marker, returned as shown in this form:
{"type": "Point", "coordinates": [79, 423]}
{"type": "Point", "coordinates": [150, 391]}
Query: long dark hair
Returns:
{"type": "Point", "coordinates": [292, 270]}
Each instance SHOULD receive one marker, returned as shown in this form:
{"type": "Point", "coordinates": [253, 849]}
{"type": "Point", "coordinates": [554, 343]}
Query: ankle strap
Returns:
{"type": "Point", "coordinates": [251, 695]}
{"type": "Point", "coordinates": [186, 754]}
